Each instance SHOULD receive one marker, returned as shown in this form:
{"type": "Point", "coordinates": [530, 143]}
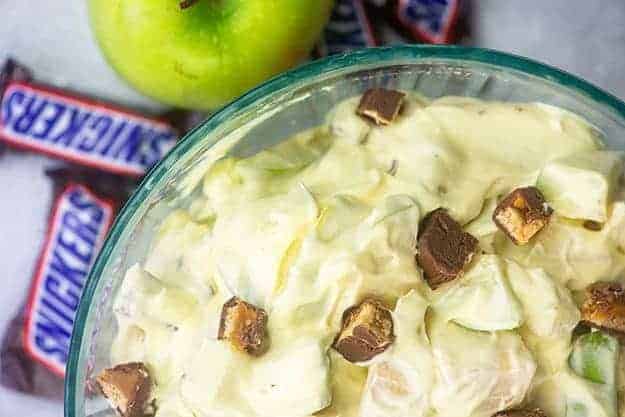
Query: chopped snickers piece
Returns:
{"type": "Point", "coordinates": [604, 306]}
{"type": "Point", "coordinates": [443, 248]}
{"type": "Point", "coordinates": [522, 214]}
{"type": "Point", "coordinates": [536, 412]}
{"type": "Point", "coordinates": [380, 105]}
{"type": "Point", "coordinates": [367, 331]}
{"type": "Point", "coordinates": [244, 325]}
{"type": "Point", "coordinates": [127, 387]}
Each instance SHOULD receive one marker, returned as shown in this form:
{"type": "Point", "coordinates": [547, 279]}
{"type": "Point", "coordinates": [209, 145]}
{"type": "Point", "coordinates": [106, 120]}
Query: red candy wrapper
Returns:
{"type": "Point", "coordinates": [85, 132]}
{"type": "Point", "coordinates": [35, 346]}
{"type": "Point", "coordinates": [108, 147]}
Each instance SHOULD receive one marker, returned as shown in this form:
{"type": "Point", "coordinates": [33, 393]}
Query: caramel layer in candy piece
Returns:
{"type": "Point", "coordinates": [522, 214]}
{"type": "Point", "coordinates": [366, 332]}
{"type": "Point", "coordinates": [127, 387]}
{"type": "Point", "coordinates": [536, 412]}
{"type": "Point", "coordinates": [443, 248]}
{"type": "Point", "coordinates": [380, 105]}
{"type": "Point", "coordinates": [604, 306]}
{"type": "Point", "coordinates": [244, 325]}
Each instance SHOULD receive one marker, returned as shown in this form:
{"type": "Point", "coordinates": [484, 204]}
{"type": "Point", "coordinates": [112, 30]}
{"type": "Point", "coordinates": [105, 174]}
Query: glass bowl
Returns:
{"type": "Point", "coordinates": [287, 104]}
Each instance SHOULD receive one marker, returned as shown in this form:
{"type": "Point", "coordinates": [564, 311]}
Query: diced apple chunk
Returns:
{"type": "Point", "coordinates": [291, 381]}
{"type": "Point", "coordinates": [482, 299]}
{"type": "Point", "coordinates": [581, 185]}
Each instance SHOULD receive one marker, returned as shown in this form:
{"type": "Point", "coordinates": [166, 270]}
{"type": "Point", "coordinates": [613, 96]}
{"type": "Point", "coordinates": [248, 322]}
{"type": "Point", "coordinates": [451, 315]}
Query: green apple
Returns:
{"type": "Point", "coordinates": [206, 54]}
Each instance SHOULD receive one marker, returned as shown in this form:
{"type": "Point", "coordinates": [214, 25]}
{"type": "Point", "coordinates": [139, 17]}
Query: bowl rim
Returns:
{"type": "Point", "coordinates": [367, 56]}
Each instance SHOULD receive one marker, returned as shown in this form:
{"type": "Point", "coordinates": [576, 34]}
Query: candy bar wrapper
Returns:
{"type": "Point", "coordinates": [82, 131]}
{"type": "Point", "coordinates": [35, 345]}
{"type": "Point", "coordinates": [358, 24]}
{"type": "Point", "coordinates": [429, 21]}
{"type": "Point", "coordinates": [349, 28]}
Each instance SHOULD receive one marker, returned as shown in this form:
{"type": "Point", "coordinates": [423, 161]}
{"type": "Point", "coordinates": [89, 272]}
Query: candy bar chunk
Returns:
{"type": "Point", "coordinates": [380, 105]}
{"type": "Point", "coordinates": [604, 306]}
{"type": "Point", "coordinates": [244, 325]}
{"type": "Point", "coordinates": [127, 388]}
{"type": "Point", "coordinates": [522, 214]}
{"type": "Point", "coordinates": [444, 249]}
{"type": "Point", "coordinates": [536, 412]}
{"type": "Point", "coordinates": [366, 332]}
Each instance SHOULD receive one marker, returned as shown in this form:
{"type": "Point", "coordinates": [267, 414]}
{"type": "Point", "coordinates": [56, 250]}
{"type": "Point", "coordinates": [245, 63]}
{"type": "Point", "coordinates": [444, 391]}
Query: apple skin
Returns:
{"type": "Point", "coordinates": [206, 55]}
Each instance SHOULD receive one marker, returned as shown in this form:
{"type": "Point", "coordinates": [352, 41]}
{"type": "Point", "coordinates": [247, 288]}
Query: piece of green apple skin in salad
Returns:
{"type": "Point", "coordinates": [594, 358]}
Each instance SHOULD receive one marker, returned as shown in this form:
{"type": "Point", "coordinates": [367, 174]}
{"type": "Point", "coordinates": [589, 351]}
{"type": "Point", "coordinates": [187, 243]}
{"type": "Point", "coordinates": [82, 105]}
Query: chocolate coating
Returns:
{"type": "Point", "coordinates": [367, 331]}
{"type": "Point", "coordinates": [444, 249]}
{"type": "Point", "coordinates": [380, 105]}
{"type": "Point", "coordinates": [522, 214]}
{"type": "Point", "coordinates": [127, 387]}
{"type": "Point", "coordinates": [604, 306]}
{"type": "Point", "coordinates": [244, 325]}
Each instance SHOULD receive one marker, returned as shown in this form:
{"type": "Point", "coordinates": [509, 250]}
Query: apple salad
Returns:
{"type": "Point", "coordinates": [441, 258]}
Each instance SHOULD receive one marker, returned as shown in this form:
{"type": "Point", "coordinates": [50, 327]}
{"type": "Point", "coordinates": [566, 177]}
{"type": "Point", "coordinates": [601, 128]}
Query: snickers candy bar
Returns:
{"type": "Point", "coordinates": [380, 105]}
{"type": "Point", "coordinates": [366, 331]}
{"type": "Point", "coordinates": [535, 412]}
{"type": "Point", "coordinates": [19, 371]}
{"type": "Point", "coordinates": [244, 325]}
{"type": "Point", "coordinates": [127, 387]}
{"type": "Point", "coordinates": [431, 21]}
{"type": "Point", "coordinates": [604, 306]}
{"type": "Point", "coordinates": [443, 249]}
{"type": "Point", "coordinates": [35, 346]}
{"type": "Point", "coordinates": [348, 29]}
{"type": "Point", "coordinates": [76, 129]}
{"type": "Point", "coordinates": [522, 214]}
{"type": "Point", "coordinates": [13, 71]}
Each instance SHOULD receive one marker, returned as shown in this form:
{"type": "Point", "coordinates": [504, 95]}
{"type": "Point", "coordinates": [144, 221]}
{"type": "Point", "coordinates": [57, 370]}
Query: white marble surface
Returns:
{"type": "Point", "coordinates": [586, 38]}
{"type": "Point", "coordinates": [52, 36]}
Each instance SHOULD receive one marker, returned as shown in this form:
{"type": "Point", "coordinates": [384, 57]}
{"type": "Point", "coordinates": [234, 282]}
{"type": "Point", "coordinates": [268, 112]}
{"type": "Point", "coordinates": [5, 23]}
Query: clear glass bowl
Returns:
{"type": "Point", "coordinates": [287, 104]}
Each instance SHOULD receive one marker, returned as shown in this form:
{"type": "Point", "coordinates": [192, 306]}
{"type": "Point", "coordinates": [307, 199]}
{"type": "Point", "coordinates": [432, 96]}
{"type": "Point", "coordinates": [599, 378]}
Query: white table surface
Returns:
{"type": "Point", "coordinates": [52, 36]}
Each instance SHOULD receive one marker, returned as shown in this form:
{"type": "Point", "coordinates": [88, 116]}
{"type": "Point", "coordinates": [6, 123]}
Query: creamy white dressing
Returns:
{"type": "Point", "coordinates": [310, 227]}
